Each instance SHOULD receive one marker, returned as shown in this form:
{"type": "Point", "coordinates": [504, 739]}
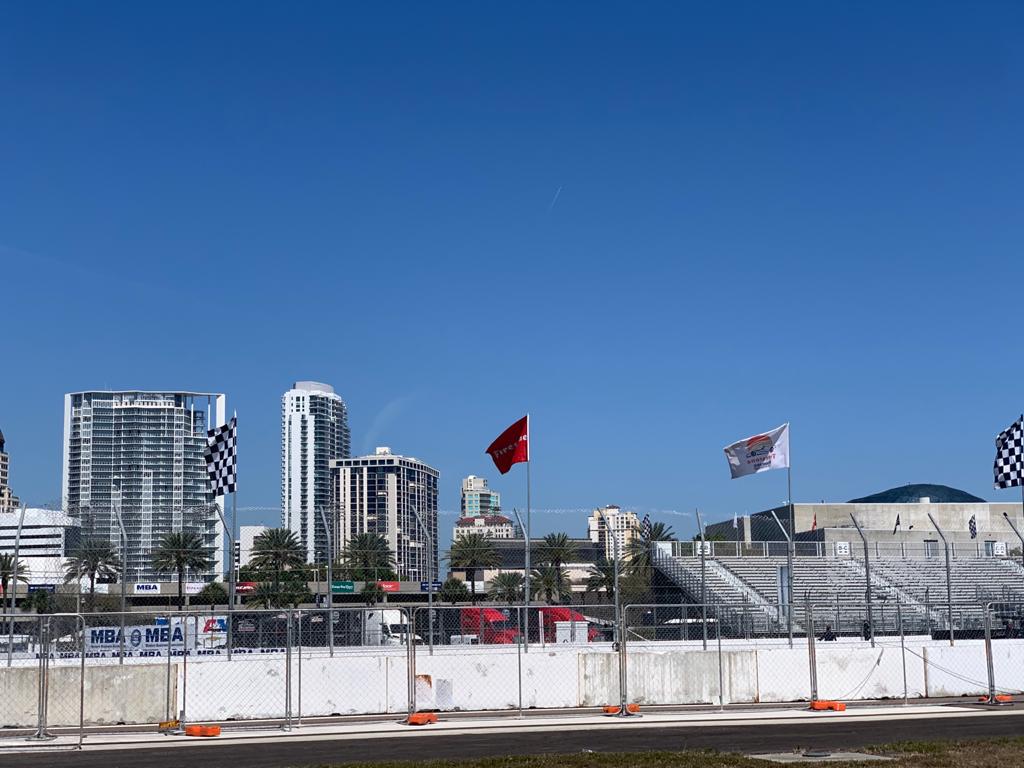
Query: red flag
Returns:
{"type": "Point", "coordinates": [511, 446]}
{"type": "Point", "coordinates": [814, 523]}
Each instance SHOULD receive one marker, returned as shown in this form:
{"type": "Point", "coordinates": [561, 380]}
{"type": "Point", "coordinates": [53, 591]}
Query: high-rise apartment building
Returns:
{"type": "Point", "coordinates": [624, 528]}
{"type": "Point", "coordinates": [478, 499]}
{"type": "Point", "coordinates": [8, 501]}
{"type": "Point", "coordinates": [138, 456]}
{"type": "Point", "coordinates": [314, 432]}
{"type": "Point", "coordinates": [382, 494]}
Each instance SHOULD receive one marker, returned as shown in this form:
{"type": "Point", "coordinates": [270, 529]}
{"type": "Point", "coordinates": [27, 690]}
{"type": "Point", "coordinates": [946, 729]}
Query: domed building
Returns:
{"type": "Point", "coordinates": [897, 521]}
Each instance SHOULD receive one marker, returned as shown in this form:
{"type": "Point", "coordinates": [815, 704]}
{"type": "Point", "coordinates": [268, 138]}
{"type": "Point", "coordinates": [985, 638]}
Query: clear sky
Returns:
{"type": "Point", "coordinates": [658, 227]}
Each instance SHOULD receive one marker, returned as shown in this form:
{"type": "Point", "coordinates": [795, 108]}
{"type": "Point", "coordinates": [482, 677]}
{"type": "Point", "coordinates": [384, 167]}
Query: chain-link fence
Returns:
{"type": "Point", "coordinates": [280, 668]}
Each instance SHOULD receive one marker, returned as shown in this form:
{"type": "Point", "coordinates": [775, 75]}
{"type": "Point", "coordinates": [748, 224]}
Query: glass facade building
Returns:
{"type": "Point", "coordinates": [314, 432]}
{"type": "Point", "coordinates": [378, 494]}
{"type": "Point", "coordinates": [139, 456]}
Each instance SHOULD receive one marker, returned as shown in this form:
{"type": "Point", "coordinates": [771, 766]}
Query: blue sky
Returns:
{"type": "Point", "coordinates": [658, 228]}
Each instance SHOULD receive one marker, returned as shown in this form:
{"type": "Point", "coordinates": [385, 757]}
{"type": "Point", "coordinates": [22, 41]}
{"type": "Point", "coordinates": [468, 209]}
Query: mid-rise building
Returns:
{"type": "Point", "coordinates": [478, 499]}
{"type": "Point", "coordinates": [624, 528]}
{"type": "Point", "coordinates": [491, 526]}
{"type": "Point", "coordinates": [136, 458]}
{"type": "Point", "coordinates": [47, 537]}
{"type": "Point", "coordinates": [8, 501]}
{"type": "Point", "coordinates": [383, 494]}
{"type": "Point", "coordinates": [314, 432]}
{"type": "Point", "coordinates": [243, 547]}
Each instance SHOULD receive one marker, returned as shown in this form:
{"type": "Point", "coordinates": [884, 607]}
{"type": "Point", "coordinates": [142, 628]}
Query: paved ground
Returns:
{"type": "Point", "coordinates": [753, 734]}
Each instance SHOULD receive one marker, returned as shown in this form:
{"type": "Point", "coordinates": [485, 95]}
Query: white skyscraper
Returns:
{"type": "Point", "coordinates": [138, 457]}
{"type": "Point", "coordinates": [478, 499]}
{"type": "Point", "coordinates": [314, 432]}
{"type": "Point", "coordinates": [382, 494]}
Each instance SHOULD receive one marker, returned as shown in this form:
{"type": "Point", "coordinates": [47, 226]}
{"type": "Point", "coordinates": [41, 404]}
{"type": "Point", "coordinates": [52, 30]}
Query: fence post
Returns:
{"type": "Point", "coordinates": [812, 657]}
{"type": "Point", "coordinates": [168, 708]}
{"type": "Point", "coordinates": [721, 670]}
{"type": "Point", "coordinates": [903, 649]}
{"type": "Point", "coordinates": [519, 657]}
{"type": "Point", "coordinates": [298, 714]}
{"type": "Point", "coordinates": [41, 733]}
{"type": "Point", "coordinates": [287, 725]}
{"type": "Point", "coordinates": [410, 655]}
{"type": "Point", "coordinates": [184, 672]}
{"type": "Point", "coordinates": [988, 657]}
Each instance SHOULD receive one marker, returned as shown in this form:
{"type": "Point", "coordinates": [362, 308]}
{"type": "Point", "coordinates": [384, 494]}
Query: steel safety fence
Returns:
{"type": "Point", "coordinates": [43, 691]}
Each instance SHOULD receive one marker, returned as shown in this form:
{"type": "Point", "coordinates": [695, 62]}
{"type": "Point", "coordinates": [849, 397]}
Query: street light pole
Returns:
{"type": "Point", "coordinates": [430, 580]}
{"type": "Point", "coordinates": [949, 581]}
{"type": "Point", "coordinates": [330, 580]}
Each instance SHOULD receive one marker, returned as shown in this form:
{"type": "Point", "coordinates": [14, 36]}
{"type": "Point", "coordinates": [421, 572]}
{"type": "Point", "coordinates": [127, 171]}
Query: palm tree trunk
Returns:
{"type": "Point", "coordinates": [92, 591]}
{"type": "Point", "coordinates": [472, 584]}
{"type": "Point", "coordinates": [181, 599]}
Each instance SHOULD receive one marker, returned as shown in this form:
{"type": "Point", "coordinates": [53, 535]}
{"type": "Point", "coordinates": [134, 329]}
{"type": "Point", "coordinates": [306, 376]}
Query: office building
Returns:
{"type": "Point", "coordinates": [8, 501]}
{"type": "Point", "coordinates": [314, 432]}
{"type": "Point", "coordinates": [491, 526]}
{"type": "Point", "coordinates": [382, 494]}
{"type": "Point", "coordinates": [624, 528]}
{"type": "Point", "coordinates": [47, 537]}
{"type": "Point", "coordinates": [136, 458]}
{"type": "Point", "coordinates": [478, 499]}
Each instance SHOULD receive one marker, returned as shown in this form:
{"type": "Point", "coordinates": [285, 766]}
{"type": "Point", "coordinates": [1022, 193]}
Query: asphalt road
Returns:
{"type": "Point", "coordinates": [734, 737]}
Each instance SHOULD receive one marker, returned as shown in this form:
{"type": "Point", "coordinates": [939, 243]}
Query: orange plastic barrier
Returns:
{"type": "Point", "coordinates": [821, 706]}
{"type": "Point", "coordinates": [202, 730]}
{"type": "Point", "coordinates": [421, 718]}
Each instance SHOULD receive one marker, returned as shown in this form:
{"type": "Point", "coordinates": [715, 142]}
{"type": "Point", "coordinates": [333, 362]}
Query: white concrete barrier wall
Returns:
{"type": "Point", "coordinates": [487, 678]}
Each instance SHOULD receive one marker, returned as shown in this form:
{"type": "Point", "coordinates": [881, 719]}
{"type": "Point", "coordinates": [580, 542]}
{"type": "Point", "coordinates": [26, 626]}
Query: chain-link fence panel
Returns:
{"type": "Point", "coordinates": [364, 671]}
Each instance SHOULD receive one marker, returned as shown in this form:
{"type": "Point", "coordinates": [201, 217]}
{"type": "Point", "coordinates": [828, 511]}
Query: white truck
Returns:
{"type": "Point", "coordinates": [387, 626]}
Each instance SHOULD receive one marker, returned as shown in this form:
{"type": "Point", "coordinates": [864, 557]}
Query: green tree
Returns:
{"type": "Point", "coordinates": [602, 580]}
{"type": "Point", "coordinates": [549, 582]}
{"type": "Point", "coordinates": [557, 549]}
{"type": "Point", "coordinates": [7, 571]}
{"type": "Point", "coordinates": [92, 559]}
{"type": "Point", "coordinates": [372, 593]}
{"type": "Point", "coordinates": [453, 591]}
{"type": "Point", "coordinates": [638, 551]}
{"type": "Point", "coordinates": [178, 552]}
{"type": "Point", "coordinates": [213, 593]}
{"type": "Point", "coordinates": [473, 552]}
{"type": "Point", "coordinates": [41, 601]}
{"type": "Point", "coordinates": [275, 551]}
{"type": "Point", "coordinates": [506, 588]}
{"type": "Point", "coordinates": [368, 557]}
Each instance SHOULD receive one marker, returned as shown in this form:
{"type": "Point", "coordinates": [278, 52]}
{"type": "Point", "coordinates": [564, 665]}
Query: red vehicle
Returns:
{"type": "Point", "coordinates": [556, 613]}
{"type": "Point", "coordinates": [490, 626]}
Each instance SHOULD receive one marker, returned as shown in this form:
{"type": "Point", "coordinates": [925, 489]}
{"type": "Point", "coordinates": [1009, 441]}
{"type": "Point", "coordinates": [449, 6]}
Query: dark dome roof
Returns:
{"type": "Point", "coordinates": [911, 494]}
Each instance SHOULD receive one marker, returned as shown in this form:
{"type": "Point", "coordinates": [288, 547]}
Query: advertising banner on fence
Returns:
{"type": "Point", "coordinates": [389, 586]}
{"type": "Point", "coordinates": [139, 639]}
{"type": "Point", "coordinates": [150, 588]}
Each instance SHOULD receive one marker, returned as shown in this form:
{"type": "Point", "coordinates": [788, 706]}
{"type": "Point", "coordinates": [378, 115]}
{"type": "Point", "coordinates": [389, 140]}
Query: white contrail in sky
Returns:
{"type": "Point", "coordinates": [554, 199]}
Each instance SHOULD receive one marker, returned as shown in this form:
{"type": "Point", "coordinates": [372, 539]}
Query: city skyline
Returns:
{"type": "Point", "coordinates": [651, 231]}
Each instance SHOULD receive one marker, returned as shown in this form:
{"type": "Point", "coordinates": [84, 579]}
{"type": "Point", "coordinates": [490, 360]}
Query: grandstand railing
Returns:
{"type": "Point", "coordinates": [850, 549]}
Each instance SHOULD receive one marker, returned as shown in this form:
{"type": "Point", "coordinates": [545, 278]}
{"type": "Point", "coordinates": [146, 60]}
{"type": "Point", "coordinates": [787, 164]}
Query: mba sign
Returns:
{"type": "Point", "coordinates": [146, 589]}
{"type": "Point", "coordinates": [137, 639]}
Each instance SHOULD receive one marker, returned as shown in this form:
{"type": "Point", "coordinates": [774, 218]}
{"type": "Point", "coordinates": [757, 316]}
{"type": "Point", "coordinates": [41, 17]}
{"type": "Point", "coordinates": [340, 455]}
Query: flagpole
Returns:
{"type": "Point", "coordinates": [792, 549]}
{"type": "Point", "coordinates": [526, 579]}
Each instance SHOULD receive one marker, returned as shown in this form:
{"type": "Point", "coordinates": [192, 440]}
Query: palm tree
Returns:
{"type": "Point", "coordinates": [506, 588]}
{"type": "Point", "coordinates": [557, 549]}
{"type": "Point", "coordinates": [473, 552]}
{"type": "Point", "coordinates": [549, 582]}
{"type": "Point", "coordinates": [638, 550]}
{"type": "Point", "coordinates": [368, 557]}
{"type": "Point", "coordinates": [92, 559]}
{"type": "Point", "coordinates": [453, 591]}
{"type": "Point", "coordinates": [372, 593]}
{"type": "Point", "coordinates": [7, 570]}
{"type": "Point", "coordinates": [179, 551]}
{"type": "Point", "coordinates": [277, 549]}
{"type": "Point", "coordinates": [602, 579]}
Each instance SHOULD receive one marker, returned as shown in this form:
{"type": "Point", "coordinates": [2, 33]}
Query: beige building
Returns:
{"type": "Point", "coordinates": [491, 526]}
{"type": "Point", "coordinates": [625, 526]}
{"type": "Point", "coordinates": [8, 501]}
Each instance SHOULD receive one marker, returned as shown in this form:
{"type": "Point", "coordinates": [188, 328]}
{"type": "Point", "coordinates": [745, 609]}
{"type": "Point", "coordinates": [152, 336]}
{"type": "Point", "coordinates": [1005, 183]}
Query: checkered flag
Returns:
{"type": "Point", "coordinates": [221, 458]}
{"type": "Point", "coordinates": [972, 526]}
{"type": "Point", "coordinates": [645, 527]}
{"type": "Point", "coordinates": [1009, 466]}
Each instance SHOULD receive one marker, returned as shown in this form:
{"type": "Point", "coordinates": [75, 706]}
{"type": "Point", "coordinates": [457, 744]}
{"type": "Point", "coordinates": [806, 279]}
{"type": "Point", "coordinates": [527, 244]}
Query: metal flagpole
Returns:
{"type": "Point", "coordinates": [867, 580]}
{"type": "Point", "coordinates": [789, 599]}
{"type": "Point", "coordinates": [792, 547]}
{"type": "Point", "coordinates": [330, 578]}
{"type": "Point", "coordinates": [703, 582]}
{"type": "Point", "coordinates": [14, 583]}
{"type": "Point", "coordinates": [949, 583]}
{"type": "Point", "coordinates": [526, 579]}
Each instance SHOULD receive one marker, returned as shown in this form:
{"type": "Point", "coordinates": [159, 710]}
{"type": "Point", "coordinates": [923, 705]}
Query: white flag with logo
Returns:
{"type": "Point", "coordinates": [759, 453]}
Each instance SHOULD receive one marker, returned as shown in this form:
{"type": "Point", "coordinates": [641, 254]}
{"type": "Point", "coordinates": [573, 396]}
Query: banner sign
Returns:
{"type": "Point", "coordinates": [343, 587]}
{"type": "Point", "coordinates": [389, 586]}
{"type": "Point", "coordinates": [51, 588]}
{"type": "Point", "coordinates": [193, 587]}
{"type": "Point", "coordinates": [426, 586]}
{"type": "Point", "coordinates": [146, 589]}
{"type": "Point", "coordinates": [140, 638]}
{"type": "Point", "coordinates": [245, 587]}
